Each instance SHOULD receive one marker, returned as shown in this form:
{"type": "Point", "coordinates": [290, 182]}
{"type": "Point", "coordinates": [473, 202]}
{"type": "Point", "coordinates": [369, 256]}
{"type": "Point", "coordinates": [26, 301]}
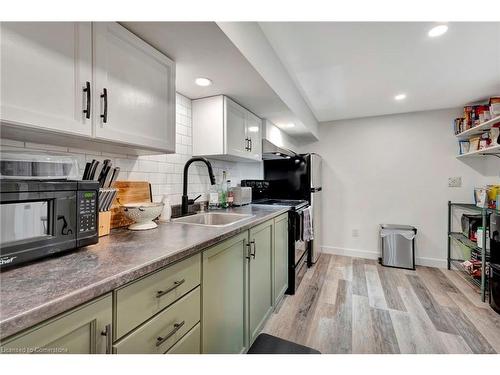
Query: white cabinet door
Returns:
{"type": "Point", "coordinates": [139, 83]}
{"type": "Point", "coordinates": [45, 67]}
{"type": "Point", "coordinates": [235, 129]}
{"type": "Point", "coordinates": [254, 134]}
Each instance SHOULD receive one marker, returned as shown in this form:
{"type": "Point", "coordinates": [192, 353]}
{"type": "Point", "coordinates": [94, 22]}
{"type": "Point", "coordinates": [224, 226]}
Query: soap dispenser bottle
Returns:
{"type": "Point", "coordinates": [166, 213]}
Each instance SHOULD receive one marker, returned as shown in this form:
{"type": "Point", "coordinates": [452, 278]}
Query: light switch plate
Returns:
{"type": "Point", "coordinates": [455, 182]}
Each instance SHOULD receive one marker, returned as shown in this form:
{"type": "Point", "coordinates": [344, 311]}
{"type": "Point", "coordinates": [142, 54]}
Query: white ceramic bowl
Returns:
{"type": "Point", "coordinates": [143, 213]}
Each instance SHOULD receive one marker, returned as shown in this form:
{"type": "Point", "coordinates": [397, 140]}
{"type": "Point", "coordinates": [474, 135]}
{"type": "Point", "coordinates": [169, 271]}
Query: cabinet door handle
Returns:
{"type": "Point", "coordinates": [104, 96]}
{"type": "Point", "coordinates": [246, 144]}
{"type": "Point", "coordinates": [254, 248]}
{"type": "Point", "coordinates": [173, 287]}
{"type": "Point", "coordinates": [177, 326]}
{"type": "Point", "coordinates": [86, 90]}
{"type": "Point", "coordinates": [109, 338]}
{"type": "Point", "coordinates": [250, 144]}
{"type": "Point", "coordinates": [248, 250]}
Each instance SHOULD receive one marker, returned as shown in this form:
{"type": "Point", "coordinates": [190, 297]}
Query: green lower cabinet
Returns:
{"type": "Point", "coordinates": [280, 260]}
{"type": "Point", "coordinates": [82, 330]}
{"type": "Point", "coordinates": [223, 315]}
{"type": "Point", "coordinates": [260, 275]}
{"type": "Point", "coordinates": [161, 332]}
{"type": "Point", "coordinates": [189, 344]}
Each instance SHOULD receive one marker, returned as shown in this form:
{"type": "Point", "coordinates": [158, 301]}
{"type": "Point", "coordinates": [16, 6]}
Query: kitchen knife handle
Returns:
{"type": "Point", "coordinates": [86, 90]}
{"type": "Point", "coordinates": [104, 96]}
{"type": "Point", "coordinates": [86, 171]}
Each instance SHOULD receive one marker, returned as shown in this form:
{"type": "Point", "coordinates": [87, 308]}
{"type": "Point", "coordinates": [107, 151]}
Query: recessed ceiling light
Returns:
{"type": "Point", "coordinates": [437, 31]}
{"type": "Point", "coordinates": [203, 81]}
{"type": "Point", "coordinates": [400, 97]}
{"type": "Point", "coordinates": [287, 126]}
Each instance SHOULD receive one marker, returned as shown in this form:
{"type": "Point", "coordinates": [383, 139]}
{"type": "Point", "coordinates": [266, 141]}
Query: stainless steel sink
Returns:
{"type": "Point", "coordinates": [213, 219]}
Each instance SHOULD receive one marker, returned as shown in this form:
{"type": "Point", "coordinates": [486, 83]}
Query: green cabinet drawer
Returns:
{"type": "Point", "coordinates": [137, 302]}
{"type": "Point", "coordinates": [82, 330]}
{"type": "Point", "coordinates": [162, 331]}
{"type": "Point", "coordinates": [189, 344]}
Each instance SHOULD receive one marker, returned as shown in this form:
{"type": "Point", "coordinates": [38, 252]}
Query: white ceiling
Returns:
{"type": "Point", "coordinates": [201, 49]}
{"type": "Point", "coordinates": [349, 70]}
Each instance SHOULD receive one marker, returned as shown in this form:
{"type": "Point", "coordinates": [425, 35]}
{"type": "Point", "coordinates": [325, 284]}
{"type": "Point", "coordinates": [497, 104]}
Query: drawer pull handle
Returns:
{"type": "Point", "coordinates": [177, 326]}
{"type": "Point", "coordinates": [177, 284]}
{"type": "Point", "coordinates": [254, 248]}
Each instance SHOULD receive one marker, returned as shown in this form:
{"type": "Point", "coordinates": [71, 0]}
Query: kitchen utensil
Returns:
{"type": "Point", "coordinates": [143, 214]}
{"type": "Point", "coordinates": [107, 178]}
{"type": "Point", "coordinates": [116, 172]}
{"type": "Point", "coordinates": [128, 192]}
{"type": "Point", "coordinates": [106, 197]}
{"type": "Point", "coordinates": [93, 168]}
{"type": "Point", "coordinates": [86, 171]}
{"type": "Point", "coordinates": [102, 175]}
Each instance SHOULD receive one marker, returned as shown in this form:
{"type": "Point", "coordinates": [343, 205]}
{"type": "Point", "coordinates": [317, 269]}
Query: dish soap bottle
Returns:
{"type": "Point", "coordinates": [223, 191]}
{"type": "Point", "coordinates": [213, 198]}
{"type": "Point", "coordinates": [230, 194]}
{"type": "Point", "coordinates": [166, 213]}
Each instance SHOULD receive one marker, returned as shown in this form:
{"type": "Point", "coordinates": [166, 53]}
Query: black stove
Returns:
{"type": "Point", "coordinates": [292, 203]}
{"type": "Point", "coordinates": [298, 249]}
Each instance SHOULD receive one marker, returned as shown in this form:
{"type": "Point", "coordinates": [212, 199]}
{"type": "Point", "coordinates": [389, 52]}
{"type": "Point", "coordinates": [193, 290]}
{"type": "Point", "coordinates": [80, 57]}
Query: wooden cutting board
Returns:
{"type": "Point", "coordinates": [128, 192]}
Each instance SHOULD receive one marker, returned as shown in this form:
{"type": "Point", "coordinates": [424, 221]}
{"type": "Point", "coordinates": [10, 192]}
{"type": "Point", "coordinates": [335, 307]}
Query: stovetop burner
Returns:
{"type": "Point", "coordinates": [281, 202]}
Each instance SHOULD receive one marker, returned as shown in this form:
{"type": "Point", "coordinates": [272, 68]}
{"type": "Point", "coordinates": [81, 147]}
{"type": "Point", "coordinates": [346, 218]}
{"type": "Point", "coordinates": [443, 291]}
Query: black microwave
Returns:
{"type": "Point", "coordinates": [44, 217]}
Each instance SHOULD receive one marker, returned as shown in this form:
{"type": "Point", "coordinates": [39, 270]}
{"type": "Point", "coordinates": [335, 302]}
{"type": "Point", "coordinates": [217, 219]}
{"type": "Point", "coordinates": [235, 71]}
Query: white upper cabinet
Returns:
{"type": "Point", "coordinates": [45, 68]}
{"type": "Point", "coordinates": [254, 136]}
{"type": "Point", "coordinates": [134, 90]}
{"type": "Point", "coordinates": [237, 143]}
{"type": "Point", "coordinates": [96, 81]}
{"type": "Point", "coordinates": [223, 129]}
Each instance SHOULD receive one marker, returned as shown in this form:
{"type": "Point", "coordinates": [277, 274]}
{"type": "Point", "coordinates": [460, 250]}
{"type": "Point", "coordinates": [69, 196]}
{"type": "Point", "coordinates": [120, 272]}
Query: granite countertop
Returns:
{"type": "Point", "coordinates": [35, 292]}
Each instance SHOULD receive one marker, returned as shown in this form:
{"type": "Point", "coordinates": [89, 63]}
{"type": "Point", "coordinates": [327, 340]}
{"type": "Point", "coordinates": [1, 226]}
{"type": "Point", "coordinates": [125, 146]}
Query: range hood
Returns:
{"type": "Point", "coordinates": [270, 151]}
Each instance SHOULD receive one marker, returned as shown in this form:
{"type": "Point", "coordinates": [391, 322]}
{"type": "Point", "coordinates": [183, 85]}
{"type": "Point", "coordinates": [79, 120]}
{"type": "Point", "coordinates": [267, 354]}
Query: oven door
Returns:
{"type": "Point", "coordinates": [298, 250]}
{"type": "Point", "coordinates": [35, 224]}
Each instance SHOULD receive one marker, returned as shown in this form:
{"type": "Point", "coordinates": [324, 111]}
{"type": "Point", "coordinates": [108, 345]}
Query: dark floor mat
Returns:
{"type": "Point", "coordinates": [267, 344]}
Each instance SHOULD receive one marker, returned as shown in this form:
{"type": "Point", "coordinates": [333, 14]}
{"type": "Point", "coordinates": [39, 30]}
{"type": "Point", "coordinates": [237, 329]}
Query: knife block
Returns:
{"type": "Point", "coordinates": [104, 223]}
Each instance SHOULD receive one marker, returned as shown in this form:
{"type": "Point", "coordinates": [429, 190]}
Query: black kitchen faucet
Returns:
{"type": "Point", "coordinates": [185, 200]}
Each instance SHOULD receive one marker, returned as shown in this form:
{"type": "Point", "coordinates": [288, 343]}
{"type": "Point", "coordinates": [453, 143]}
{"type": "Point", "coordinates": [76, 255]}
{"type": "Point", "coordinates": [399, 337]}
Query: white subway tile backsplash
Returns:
{"type": "Point", "coordinates": [44, 147]}
{"type": "Point", "coordinates": [11, 143]}
{"type": "Point", "coordinates": [163, 171]}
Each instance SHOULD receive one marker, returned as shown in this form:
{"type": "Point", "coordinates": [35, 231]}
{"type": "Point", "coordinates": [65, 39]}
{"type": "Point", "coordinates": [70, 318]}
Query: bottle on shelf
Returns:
{"type": "Point", "coordinates": [223, 191]}
{"type": "Point", "coordinates": [230, 194]}
{"type": "Point", "coordinates": [213, 198]}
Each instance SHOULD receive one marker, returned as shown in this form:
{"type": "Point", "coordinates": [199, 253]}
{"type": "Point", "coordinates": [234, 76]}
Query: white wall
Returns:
{"type": "Point", "coordinates": [164, 172]}
{"type": "Point", "coordinates": [393, 169]}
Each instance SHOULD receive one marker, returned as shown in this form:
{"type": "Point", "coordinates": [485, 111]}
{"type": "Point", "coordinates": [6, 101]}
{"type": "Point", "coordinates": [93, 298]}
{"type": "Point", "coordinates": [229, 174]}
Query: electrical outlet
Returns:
{"type": "Point", "coordinates": [455, 182]}
{"type": "Point", "coordinates": [355, 233]}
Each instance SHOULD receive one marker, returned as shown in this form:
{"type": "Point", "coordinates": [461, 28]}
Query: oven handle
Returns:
{"type": "Point", "coordinates": [302, 209]}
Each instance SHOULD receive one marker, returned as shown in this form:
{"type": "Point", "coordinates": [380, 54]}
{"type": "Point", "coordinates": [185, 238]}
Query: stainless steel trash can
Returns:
{"type": "Point", "coordinates": [398, 246]}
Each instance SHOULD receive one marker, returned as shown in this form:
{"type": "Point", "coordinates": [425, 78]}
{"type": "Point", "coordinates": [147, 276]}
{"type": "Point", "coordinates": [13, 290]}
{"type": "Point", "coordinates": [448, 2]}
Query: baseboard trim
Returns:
{"type": "Point", "coordinates": [372, 254]}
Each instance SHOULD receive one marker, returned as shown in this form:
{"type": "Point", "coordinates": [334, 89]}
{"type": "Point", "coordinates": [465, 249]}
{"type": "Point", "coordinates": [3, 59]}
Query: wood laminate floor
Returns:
{"type": "Point", "coordinates": [354, 305]}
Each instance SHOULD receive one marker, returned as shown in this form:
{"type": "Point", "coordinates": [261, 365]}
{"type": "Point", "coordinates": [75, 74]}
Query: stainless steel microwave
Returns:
{"type": "Point", "coordinates": [44, 217]}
